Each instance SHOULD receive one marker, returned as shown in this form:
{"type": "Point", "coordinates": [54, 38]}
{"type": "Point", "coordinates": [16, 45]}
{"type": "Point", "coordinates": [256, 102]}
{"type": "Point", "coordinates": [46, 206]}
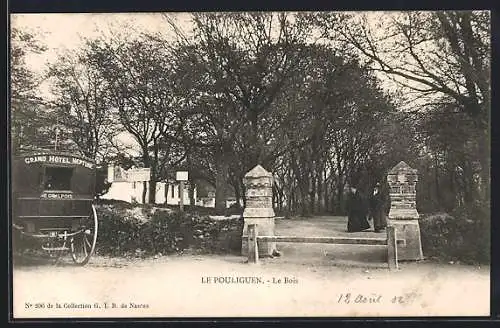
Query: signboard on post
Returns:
{"type": "Point", "coordinates": [182, 176]}
{"type": "Point", "coordinates": [136, 175]}
{"type": "Point", "coordinates": [118, 174]}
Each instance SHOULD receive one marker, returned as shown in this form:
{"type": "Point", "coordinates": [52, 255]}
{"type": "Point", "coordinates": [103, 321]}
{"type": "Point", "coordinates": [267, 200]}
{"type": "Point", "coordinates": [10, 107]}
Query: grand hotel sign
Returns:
{"type": "Point", "coordinates": [58, 159]}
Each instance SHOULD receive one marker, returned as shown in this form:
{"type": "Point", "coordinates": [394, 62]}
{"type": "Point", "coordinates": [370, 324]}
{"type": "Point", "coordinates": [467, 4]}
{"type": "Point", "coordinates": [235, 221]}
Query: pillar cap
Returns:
{"type": "Point", "coordinates": [402, 166]}
{"type": "Point", "coordinates": [258, 172]}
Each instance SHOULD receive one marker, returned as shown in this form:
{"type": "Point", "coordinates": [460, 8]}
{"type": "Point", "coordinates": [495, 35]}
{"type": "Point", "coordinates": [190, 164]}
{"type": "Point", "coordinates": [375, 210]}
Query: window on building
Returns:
{"type": "Point", "coordinates": [133, 185]}
{"type": "Point", "coordinates": [58, 178]}
{"type": "Point", "coordinates": [173, 189]}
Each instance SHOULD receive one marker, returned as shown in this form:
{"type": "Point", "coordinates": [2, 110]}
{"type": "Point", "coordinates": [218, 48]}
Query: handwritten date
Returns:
{"type": "Point", "coordinates": [372, 298]}
{"type": "Point", "coordinates": [349, 298]}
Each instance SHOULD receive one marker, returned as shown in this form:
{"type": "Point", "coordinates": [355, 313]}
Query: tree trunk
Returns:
{"type": "Point", "coordinates": [438, 190]}
{"type": "Point", "coordinates": [238, 192]}
{"type": "Point", "coordinates": [146, 160]}
{"type": "Point", "coordinates": [154, 167]}
{"type": "Point", "coordinates": [332, 200]}
{"type": "Point", "coordinates": [220, 183]}
{"type": "Point", "coordinates": [339, 200]}
{"type": "Point", "coordinates": [279, 195]}
{"type": "Point", "coordinates": [192, 201]}
{"type": "Point", "coordinates": [319, 208]}
{"type": "Point", "coordinates": [165, 192]}
{"type": "Point", "coordinates": [312, 194]}
{"type": "Point", "coordinates": [243, 194]}
{"type": "Point", "coordinates": [326, 196]}
{"type": "Point", "coordinates": [468, 184]}
{"type": "Point", "coordinates": [152, 183]}
{"type": "Point", "coordinates": [144, 191]}
{"type": "Point", "coordinates": [152, 190]}
{"type": "Point", "coordinates": [303, 195]}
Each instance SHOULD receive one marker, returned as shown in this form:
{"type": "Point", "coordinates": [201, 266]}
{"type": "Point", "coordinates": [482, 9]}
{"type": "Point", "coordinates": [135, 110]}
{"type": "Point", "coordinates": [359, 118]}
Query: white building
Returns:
{"type": "Point", "coordinates": [129, 185]}
{"type": "Point", "coordinates": [206, 196]}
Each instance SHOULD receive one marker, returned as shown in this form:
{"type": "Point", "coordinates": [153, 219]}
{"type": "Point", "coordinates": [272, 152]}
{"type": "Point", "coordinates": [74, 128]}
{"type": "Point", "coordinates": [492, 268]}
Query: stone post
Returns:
{"type": "Point", "coordinates": [403, 215]}
{"type": "Point", "coordinates": [259, 209]}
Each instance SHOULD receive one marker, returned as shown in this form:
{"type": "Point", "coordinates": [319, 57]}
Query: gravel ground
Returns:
{"type": "Point", "coordinates": [307, 280]}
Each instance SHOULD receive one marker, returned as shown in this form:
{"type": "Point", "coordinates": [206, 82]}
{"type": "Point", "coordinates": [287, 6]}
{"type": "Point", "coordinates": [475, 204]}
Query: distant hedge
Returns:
{"type": "Point", "coordinates": [163, 231]}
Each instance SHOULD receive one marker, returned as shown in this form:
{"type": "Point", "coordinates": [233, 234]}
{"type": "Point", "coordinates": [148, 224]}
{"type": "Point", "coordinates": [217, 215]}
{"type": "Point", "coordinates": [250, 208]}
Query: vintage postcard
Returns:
{"type": "Point", "coordinates": [250, 164]}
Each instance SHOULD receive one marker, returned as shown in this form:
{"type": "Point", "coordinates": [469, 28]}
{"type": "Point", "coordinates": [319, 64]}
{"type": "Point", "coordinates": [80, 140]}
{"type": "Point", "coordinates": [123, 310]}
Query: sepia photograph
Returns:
{"type": "Point", "coordinates": [250, 164]}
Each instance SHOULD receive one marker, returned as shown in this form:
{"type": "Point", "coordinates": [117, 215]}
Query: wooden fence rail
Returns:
{"type": "Point", "coordinates": [391, 242]}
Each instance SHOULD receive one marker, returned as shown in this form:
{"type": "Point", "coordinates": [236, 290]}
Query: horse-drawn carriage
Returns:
{"type": "Point", "coordinates": [52, 203]}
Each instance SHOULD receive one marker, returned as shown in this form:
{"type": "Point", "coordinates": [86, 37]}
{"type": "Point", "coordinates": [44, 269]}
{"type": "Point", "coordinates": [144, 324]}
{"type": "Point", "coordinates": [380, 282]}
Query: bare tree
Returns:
{"type": "Point", "coordinates": [241, 62]}
{"type": "Point", "coordinates": [82, 104]}
{"type": "Point", "coordinates": [27, 107]}
{"type": "Point", "coordinates": [443, 57]}
{"type": "Point", "coordinates": [141, 90]}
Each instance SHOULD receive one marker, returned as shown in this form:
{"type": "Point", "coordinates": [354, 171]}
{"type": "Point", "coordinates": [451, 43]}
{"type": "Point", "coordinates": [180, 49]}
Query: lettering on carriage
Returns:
{"type": "Point", "coordinates": [82, 163]}
{"type": "Point", "coordinates": [35, 159]}
{"type": "Point", "coordinates": [58, 160]}
{"type": "Point", "coordinates": [57, 195]}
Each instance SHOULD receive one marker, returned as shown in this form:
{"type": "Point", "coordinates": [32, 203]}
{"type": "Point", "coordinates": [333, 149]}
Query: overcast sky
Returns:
{"type": "Point", "coordinates": [65, 32]}
{"type": "Point", "coordinates": [62, 32]}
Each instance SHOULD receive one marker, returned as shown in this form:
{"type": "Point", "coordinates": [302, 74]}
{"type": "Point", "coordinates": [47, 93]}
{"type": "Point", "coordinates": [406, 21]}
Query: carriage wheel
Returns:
{"type": "Point", "coordinates": [83, 244]}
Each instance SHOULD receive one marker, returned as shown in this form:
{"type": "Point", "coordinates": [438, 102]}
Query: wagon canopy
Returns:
{"type": "Point", "coordinates": [37, 172]}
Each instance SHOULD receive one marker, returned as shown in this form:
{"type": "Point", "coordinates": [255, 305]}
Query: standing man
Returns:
{"type": "Point", "coordinates": [378, 208]}
{"type": "Point", "coordinates": [357, 211]}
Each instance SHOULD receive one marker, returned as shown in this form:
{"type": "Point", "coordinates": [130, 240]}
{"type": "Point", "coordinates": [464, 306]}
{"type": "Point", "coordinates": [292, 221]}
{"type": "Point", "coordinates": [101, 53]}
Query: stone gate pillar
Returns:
{"type": "Point", "coordinates": [259, 209]}
{"type": "Point", "coordinates": [403, 214]}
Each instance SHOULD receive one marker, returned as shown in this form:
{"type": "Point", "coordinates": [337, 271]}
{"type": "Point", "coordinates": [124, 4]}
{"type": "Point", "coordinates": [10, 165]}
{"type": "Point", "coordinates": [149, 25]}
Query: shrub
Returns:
{"type": "Point", "coordinates": [217, 236]}
{"type": "Point", "coordinates": [167, 232]}
{"type": "Point", "coordinates": [464, 237]}
{"type": "Point", "coordinates": [160, 230]}
{"type": "Point", "coordinates": [478, 214]}
{"type": "Point", "coordinates": [117, 233]}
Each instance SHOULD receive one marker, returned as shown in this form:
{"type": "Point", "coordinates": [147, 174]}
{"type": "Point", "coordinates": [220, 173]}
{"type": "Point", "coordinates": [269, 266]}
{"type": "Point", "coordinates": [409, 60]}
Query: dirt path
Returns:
{"type": "Point", "coordinates": [314, 280]}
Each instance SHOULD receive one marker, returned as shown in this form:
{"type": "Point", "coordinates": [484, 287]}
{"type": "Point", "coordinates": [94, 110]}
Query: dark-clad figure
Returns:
{"type": "Point", "coordinates": [378, 202]}
{"type": "Point", "coordinates": [357, 212]}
